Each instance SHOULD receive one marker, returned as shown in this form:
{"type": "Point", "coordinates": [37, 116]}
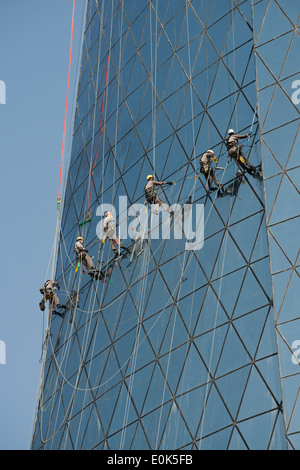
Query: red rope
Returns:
{"type": "Point", "coordinates": [66, 106]}
{"type": "Point", "coordinates": [100, 128]}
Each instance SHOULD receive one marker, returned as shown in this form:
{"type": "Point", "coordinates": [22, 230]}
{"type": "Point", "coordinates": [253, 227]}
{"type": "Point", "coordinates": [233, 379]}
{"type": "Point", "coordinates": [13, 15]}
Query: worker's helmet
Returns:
{"type": "Point", "coordinates": [149, 176]}
{"type": "Point", "coordinates": [79, 238]}
{"type": "Point", "coordinates": [210, 151]}
{"type": "Point", "coordinates": [231, 131]}
{"type": "Point", "coordinates": [108, 214]}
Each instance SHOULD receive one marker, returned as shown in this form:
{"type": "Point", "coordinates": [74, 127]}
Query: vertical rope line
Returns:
{"type": "Point", "coordinates": [190, 82]}
{"type": "Point", "coordinates": [67, 96]}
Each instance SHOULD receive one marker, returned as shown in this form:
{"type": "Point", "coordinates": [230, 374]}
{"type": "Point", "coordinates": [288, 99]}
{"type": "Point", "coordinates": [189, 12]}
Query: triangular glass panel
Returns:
{"type": "Point", "coordinates": [246, 204]}
{"type": "Point", "coordinates": [236, 441]}
{"type": "Point", "coordinates": [228, 296]}
{"type": "Point", "coordinates": [279, 261]}
{"type": "Point", "coordinates": [218, 32]}
{"type": "Point", "coordinates": [153, 425]}
{"type": "Point", "coordinates": [138, 75]}
{"type": "Point", "coordinates": [283, 209]}
{"type": "Point", "coordinates": [245, 233]}
{"type": "Point", "coordinates": [209, 345]}
{"type": "Point", "coordinates": [257, 398]}
{"type": "Point", "coordinates": [140, 24]}
{"type": "Point", "coordinates": [275, 61]}
{"type": "Point", "coordinates": [271, 188]}
{"type": "Point", "coordinates": [270, 164]}
{"type": "Point", "coordinates": [280, 282]}
{"type": "Point", "coordinates": [286, 234]}
{"type": "Point", "coordinates": [139, 439]}
{"type": "Point", "coordinates": [294, 175]}
{"type": "Point", "coordinates": [216, 441]}
{"type": "Point", "coordinates": [93, 432]}
{"type": "Point", "coordinates": [281, 106]}
{"type": "Point", "coordinates": [250, 327]}
{"type": "Point", "coordinates": [142, 352]}
{"type": "Point", "coordinates": [274, 17]}
{"type": "Point", "coordinates": [230, 257]}
{"type": "Point", "coordinates": [175, 433]}
{"type": "Point", "coordinates": [264, 76]}
{"type": "Point", "coordinates": [291, 10]}
{"type": "Point", "coordinates": [251, 296]}
{"type": "Point", "coordinates": [269, 370]}
{"type": "Point", "coordinates": [215, 11]}
{"type": "Point", "coordinates": [123, 408]}
{"type": "Point", "coordinates": [194, 400]}
{"type": "Point", "coordinates": [290, 388]}
{"type": "Point", "coordinates": [234, 354]}
{"type": "Point", "coordinates": [257, 431]}
{"type": "Point", "coordinates": [141, 383]}
{"type": "Point", "coordinates": [231, 387]}
{"type": "Point", "coordinates": [158, 393]}
{"type": "Point", "coordinates": [285, 350]}
{"type": "Point", "coordinates": [261, 271]}
{"type": "Point", "coordinates": [122, 439]}
{"type": "Point", "coordinates": [278, 439]}
{"type": "Point", "coordinates": [211, 421]}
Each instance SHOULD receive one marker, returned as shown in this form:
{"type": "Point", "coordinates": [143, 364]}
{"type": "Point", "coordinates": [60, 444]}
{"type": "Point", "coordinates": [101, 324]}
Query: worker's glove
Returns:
{"type": "Point", "coordinates": [170, 183]}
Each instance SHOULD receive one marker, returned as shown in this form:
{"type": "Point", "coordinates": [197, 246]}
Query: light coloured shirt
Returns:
{"type": "Point", "coordinates": [79, 248]}
{"type": "Point", "coordinates": [234, 138]}
{"type": "Point", "coordinates": [48, 286]}
{"type": "Point", "coordinates": [206, 157]}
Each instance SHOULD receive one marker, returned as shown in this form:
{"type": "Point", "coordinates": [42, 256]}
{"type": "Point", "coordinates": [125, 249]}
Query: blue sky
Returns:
{"type": "Point", "coordinates": [34, 55]}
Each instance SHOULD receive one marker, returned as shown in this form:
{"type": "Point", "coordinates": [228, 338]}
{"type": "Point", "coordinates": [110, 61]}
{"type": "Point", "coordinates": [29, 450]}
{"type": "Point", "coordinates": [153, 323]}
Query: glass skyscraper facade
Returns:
{"type": "Point", "coordinates": [180, 348]}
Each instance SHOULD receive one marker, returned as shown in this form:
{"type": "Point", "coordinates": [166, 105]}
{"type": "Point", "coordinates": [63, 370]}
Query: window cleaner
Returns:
{"type": "Point", "coordinates": [48, 291]}
{"type": "Point", "coordinates": [236, 151]}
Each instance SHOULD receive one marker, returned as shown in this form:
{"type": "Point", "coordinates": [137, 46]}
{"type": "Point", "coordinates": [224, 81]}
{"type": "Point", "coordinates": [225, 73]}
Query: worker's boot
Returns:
{"type": "Point", "coordinates": [57, 313]}
{"type": "Point", "coordinates": [251, 170]}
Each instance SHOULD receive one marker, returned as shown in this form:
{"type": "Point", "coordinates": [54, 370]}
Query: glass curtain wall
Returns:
{"type": "Point", "coordinates": [175, 348]}
{"type": "Point", "coordinates": [276, 40]}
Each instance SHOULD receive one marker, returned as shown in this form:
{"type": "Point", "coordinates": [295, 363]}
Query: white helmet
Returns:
{"type": "Point", "coordinates": [210, 151]}
{"type": "Point", "coordinates": [231, 131]}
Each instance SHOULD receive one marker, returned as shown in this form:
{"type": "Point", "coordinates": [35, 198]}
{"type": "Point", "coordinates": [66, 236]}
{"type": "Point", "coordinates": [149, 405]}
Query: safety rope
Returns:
{"type": "Point", "coordinates": [100, 129]}
{"type": "Point", "coordinates": [73, 319]}
{"type": "Point", "coordinates": [48, 333]}
{"type": "Point", "coordinates": [54, 249]}
{"type": "Point", "coordinates": [66, 105]}
{"type": "Point", "coordinates": [76, 387]}
{"type": "Point", "coordinates": [153, 74]}
{"type": "Point", "coordinates": [137, 344]}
